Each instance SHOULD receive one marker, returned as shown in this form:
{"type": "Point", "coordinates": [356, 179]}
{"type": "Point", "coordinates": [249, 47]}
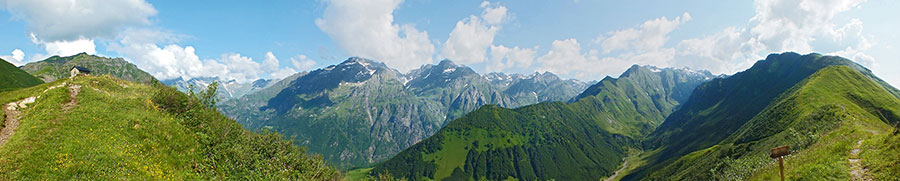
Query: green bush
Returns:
{"type": "Point", "coordinates": [230, 151]}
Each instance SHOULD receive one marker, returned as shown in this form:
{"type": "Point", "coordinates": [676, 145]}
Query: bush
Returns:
{"type": "Point", "coordinates": [230, 151]}
{"type": "Point", "coordinates": [170, 100]}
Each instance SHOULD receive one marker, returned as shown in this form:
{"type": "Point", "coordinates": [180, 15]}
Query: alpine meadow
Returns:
{"type": "Point", "coordinates": [449, 90]}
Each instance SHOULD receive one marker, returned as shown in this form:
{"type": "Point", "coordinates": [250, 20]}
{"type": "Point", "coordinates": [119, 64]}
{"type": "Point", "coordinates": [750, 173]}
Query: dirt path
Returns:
{"type": "Point", "coordinates": [624, 165]}
{"type": "Point", "coordinates": [74, 89]}
{"type": "Point", "coordinates": [12, 118]}
{"type": "Point", "coordinates": [856, 168]}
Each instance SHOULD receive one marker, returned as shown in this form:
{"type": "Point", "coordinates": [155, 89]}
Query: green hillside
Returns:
{"type": "Point", "coordinates": [719, 108]}
{"type": "Point", "coordinates": [57, 67]}
{"type": "Point", "coordinates": [104, 128]}
{"type": "Point", "coordinates": [583, 140]}
{"type": "Point", "coordinates": [14, 78]}
{"type": "Point", "coordinates": [823, 118]}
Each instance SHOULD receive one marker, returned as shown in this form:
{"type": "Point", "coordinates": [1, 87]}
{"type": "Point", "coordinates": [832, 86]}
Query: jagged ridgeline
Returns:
{"type": "Point", "coordinates": [57, 67]}
{"type": "Point", "coordinates": [360, 111]}
{"type": "Point", "coordinates": [14, 78]}
{"type": "Point", "coordinates": [582, 140]}
{"type": "Point", "coordinates": [822, 106]}
{"type": "Point", "coordinates": [105, 128]}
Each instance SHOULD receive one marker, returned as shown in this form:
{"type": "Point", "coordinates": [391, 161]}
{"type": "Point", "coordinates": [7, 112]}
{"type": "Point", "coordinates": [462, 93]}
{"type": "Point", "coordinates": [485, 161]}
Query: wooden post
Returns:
{"type": "Point", "coordinates": [781, 165]}
{"type": "Point", "coordinates": [780, 152]}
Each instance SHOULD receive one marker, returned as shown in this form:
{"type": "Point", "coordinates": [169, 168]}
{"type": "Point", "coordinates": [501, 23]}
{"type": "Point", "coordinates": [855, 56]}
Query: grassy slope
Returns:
{"type": "Point", "coordinates": [821, 118]}
{"type": "Point", "coordinates": [117, 132]}
{"type": "Point", "coordinates": [14, 78]}
{"type": "Point", "coordinates": [720, 107]}
{"type": "Point", "coordinates": [541, 141]}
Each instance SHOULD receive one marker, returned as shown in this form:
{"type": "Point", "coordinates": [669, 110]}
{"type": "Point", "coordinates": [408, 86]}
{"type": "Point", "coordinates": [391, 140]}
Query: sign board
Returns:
{"type": "Point", "coordinates": [780, 151]}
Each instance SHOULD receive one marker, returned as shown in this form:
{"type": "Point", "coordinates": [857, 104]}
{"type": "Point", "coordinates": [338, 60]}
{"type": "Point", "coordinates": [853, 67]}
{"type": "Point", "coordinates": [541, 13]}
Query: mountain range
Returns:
{"type": "Point", "coordinates": [575, 141]}
{"type": "Point", "coordinates": [228, 89]}
{"type": "Point", "coordinates": [360, 111]}
{"type": "Point", "coordinates": [447, 122]}
{"type": "Point", "coordinates": [839, 120]}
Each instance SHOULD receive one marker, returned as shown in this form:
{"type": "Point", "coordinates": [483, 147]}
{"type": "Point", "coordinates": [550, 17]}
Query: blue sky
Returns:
{"type": "Point", "coordinates": [588, 40]}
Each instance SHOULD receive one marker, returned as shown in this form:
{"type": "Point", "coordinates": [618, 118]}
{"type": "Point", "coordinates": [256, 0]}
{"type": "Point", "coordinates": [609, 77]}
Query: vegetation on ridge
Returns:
{"type": "Point", "coordinates": [122, 130]}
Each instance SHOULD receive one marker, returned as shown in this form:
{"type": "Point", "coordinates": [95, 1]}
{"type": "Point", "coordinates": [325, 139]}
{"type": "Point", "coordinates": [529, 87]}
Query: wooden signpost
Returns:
{"type": "Point", "coordinates": [779, 152]}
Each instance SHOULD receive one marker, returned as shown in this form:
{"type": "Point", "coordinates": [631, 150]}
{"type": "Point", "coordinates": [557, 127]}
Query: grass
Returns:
{"type": "Point", "coordinates": [825, 160]}
{"type": "Point", "coordinates": [876, 156]}
{"type": "Point", "coordinates": [117, 131]}
{"type": "Point", "coordinates": [635, 159]}
{"type": "Point", "coordinates": [79, 143]}
{"type": "Point", "coordinates": [357, 174]}
{"type": "Point", "coordinates": [15, 78]}
{"type": "Point", "coordinates": [821, 118]}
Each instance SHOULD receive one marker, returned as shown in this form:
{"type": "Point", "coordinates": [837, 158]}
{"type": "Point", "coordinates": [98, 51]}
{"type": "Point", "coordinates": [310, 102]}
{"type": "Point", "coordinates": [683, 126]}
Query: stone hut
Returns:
{"type": "Point", "coordinates": [76, 70]}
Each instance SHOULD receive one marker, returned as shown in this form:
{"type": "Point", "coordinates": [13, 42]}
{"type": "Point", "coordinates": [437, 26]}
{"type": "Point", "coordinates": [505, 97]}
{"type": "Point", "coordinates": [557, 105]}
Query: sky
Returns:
{"type": "Point", "coordinates": [582, 39]}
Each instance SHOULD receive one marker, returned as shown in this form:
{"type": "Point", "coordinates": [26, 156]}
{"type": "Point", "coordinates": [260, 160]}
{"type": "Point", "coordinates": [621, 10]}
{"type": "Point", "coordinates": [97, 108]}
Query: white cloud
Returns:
{"type": "Point", "coordinates": [493, 13]}
{"type": "Point", "coordinates": [472, 36]}
{"type": "Point", "coordinates": [303, 63]}
{"type": "Point", "coordinates": [503, 58]}
{"type": "Point", "coordinates": [651, 35]}
{"type": "Point", "coordinates": [157, 53]}
{"type": "Point", "coordinates": [565, 58]}
{"type": "Point", "coordinates": [68, 48]}
{"type": "Point", "coordinates": [16, 57]}
{"type": "Point", "coordinates": [727, 51]}
{"type": "Point", "coordinates": [67, 20]}
{"type": "Point", "coordinates": [366, 28]}
{"type": "Point", "coordinates": [238, 67]}
{"type": "Point", "coordinates": [778, 26]}
{"type": "Point", "coordinates": [271, 66]}
{"type": "Point", "coordinates": [66, 27]}
{"type": "Point", "coordinates": [620, 49]}
{"type": "Point", "coordinates": [469, 41]}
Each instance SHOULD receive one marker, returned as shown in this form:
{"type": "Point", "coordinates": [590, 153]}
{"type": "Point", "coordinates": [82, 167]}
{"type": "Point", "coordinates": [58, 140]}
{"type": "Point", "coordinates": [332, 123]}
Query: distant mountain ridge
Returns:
{"type": "Point", "coordinates": [228, 89]}
{"type": "Point", "coordinates": [57, 67]}
{"type": "Point", "coordinates": [360, 111]}
{"type": "Point", "coordinates": [582, 140]}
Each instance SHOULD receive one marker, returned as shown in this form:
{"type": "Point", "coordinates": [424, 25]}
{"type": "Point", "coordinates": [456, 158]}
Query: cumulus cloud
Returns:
{"type": "Point", "coordinates": [272, 66]}
{"type": "Point", "coordinates": [66, 20]}
{"type": "Point", "coordinates": [63, 47]}
{"type": "Point", "coordinates": [15, 58]}
{"type": "Point", "coordinates": [778, 26]}
{"type": "Point", "coordinates": [493, 13]}
{"type": "Point", "coordinates": [303, 63]}
{"type": "Point", "coordinates": [503, 58]}
{"type": "Point", "coordinates": [565, 58]}
{"type": "Point", "coordinates": [470, 39]}
{"type": "Point", "coordinates": [618, 50]}
{"type": "Point", "coordinates": [726, 51]}
{"type": "Point", "coordinates": [651, 35]}
{"type": "Point", "coordinates": [65, 27]}
{"type": "Point", "coordinates": [68, 48]}
{"type": "Point", "coordinates": [155, 52]}
{"type": "Point", "coordinates": [366, 28]}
